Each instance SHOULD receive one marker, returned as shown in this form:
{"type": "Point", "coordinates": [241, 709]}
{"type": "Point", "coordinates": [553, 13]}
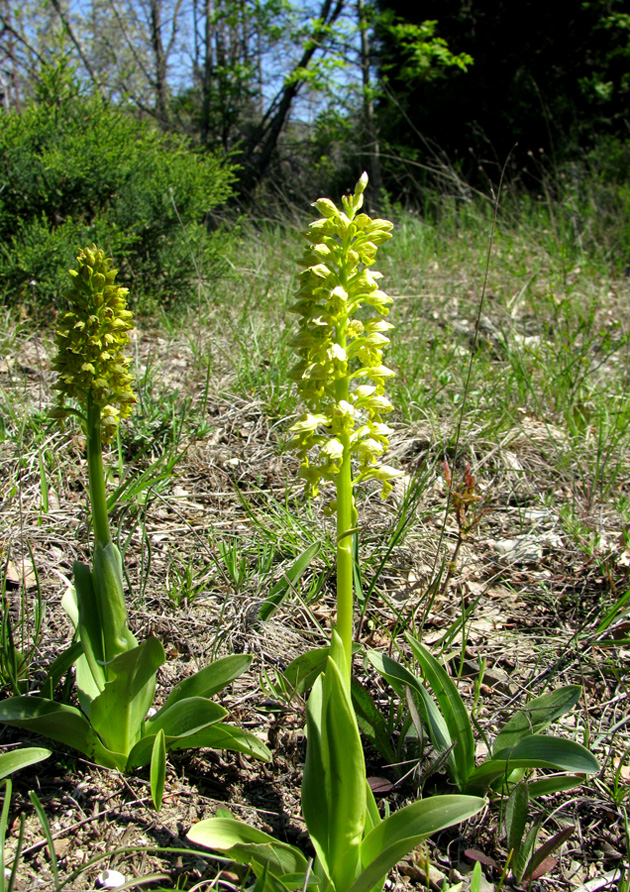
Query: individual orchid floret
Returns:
{"type": "Point", "coordinates": [90, 340]}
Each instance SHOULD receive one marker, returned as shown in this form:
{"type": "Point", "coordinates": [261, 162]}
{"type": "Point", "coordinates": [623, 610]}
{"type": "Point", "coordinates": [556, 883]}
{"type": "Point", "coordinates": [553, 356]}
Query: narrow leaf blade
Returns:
{"type": "Point", "coordinates": [158, 769]}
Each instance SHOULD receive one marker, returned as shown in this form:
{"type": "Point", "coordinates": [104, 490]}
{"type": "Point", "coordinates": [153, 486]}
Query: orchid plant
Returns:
{"type": "Point", "coordinates": [115, 675]}
{"type": "Point", "coordinates": [340, 439]}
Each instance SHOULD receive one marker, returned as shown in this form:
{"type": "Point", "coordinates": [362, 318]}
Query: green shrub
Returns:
{"type": "Point", "coordinates": [81, 171]}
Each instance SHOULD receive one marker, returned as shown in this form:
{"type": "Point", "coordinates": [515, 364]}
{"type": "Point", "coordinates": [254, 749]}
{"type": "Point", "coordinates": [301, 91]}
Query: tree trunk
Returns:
{"type": "Point", "coordinates": [160, 59]}
{"type": "Point", "coordinates": [259, 149]}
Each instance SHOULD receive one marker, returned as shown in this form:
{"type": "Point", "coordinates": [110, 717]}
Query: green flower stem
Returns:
{"type": "Point", "coordinates": [345, 503]}
{"type": "Point", "coordinates": [96, 474]}
{"type": "Point", "coordinates": [340, 373]}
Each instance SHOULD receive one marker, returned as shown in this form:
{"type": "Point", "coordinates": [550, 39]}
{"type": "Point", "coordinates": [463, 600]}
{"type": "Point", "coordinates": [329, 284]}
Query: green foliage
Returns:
{"type": "Point", "coordinates": [518, 746]}
{"type": "Point", "coordinates": [526, 91]}
{"type": "Point", "coordinates": [423, 55]}
{"type": "Point", "coordinates": [76, 171]}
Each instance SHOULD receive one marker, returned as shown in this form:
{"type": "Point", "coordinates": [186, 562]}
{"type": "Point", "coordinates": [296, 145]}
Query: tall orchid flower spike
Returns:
{"type": "Point", "coordinates": [93, 372]}
{"type": "Point", "coordinates": [341, 376]}
{"type": "Point", "coordinates": [115, 676]}
{"type": "Point", "coordinates": [340, 373]}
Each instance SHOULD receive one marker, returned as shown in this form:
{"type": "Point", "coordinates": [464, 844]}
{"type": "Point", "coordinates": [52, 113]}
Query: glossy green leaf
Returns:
{"type": "Point", "coordinates": [399, 834]}
{"type": "Point", "coordinates": [280, 589]}
{"type": "Point", "coordinates": [158, 769]}
{"type": "Point", "coordinates": [90, 674]}
{"type": "Point", "coordinates": [85, 618]}
{"type": "Point", "coordinates": [118, 714]}
{"type": "Point", "coordinates": [545, 786]}
{"type": "Point", "coordinates": [247, 845]}
{"type": "Point", "coordinates": [535, 751]}
{"type": "Point", "coordinates": [59, 722]}
{"type": "Point", "coordinates": [185, 716]}
{"type": "Point", "coordinates": [183, 719]}
{"type": "Point", "coordinates": [197, 723]}
{"type": "Point", "coordinates": [224, 737]}
{"type": "Point", "coordinates": [516, 812]}
{"type": "Point", "coordinates": [452, 708]}
{"type": "Point", "coordinates": [107, 579]}
{"type": "Point", "coordinates": [301, 673]}
{"type": "Point", "coordinates": [22, 758]}
{"type": "Point", "coordinates": [334, 784]}
{"type": "Point", "coordinates": [537, 715]}
{"type": "Point", "coordinates": [209, 681]}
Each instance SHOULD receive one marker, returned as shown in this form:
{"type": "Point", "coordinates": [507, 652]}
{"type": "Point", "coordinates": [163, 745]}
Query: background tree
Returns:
{"type": "Point", "coordinates": [546, 76]}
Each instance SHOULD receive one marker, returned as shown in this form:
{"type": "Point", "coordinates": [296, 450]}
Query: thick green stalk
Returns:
{"type": "Point", "coordinates": [98, 498]}
{"type": "Point", "coordinates": [345, 576]}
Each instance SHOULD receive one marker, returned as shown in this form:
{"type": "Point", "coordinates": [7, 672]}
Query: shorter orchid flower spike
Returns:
{"type": "Point", "coordinates": [92, 334]}
{"type": "Point", "coordinates": [340, 341]}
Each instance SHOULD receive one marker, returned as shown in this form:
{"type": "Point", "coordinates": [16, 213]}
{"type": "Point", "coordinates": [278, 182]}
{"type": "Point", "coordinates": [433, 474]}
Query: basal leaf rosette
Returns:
{"type": "Point", "coordinates": [342, 334]}
{"type": "Point", "coordinates": [90, 340]}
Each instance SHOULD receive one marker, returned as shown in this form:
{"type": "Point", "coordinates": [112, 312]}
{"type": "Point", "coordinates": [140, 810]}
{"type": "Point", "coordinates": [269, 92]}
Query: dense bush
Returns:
{"type": "Point", "coordinates": [80, 171]}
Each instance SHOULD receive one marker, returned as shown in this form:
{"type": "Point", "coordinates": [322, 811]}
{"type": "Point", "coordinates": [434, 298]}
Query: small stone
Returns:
{"type": "Point", "coordinates": [110, 879]}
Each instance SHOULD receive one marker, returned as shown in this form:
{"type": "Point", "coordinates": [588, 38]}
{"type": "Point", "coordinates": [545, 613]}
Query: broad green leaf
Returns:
{"type": "Point", "coordinates": [282, 586]}
{"type": "Point", "coordinates": [119, 712]}
{"type": "Point", "coordinates": [315, 798]}
{"type": "Point", "coordinates": [516, 812]}
{"type": "Point", "coordinates": [107, 579]}
{"type": "Point", "coordinates": [224, 737]}
{"type": "Point", "coordinates": [545, 786]}
{"type": "Point", "coordinates": [185, 716]}
{"type": "Point", "coordinates": [209, 681]}
{"type": "Point", "coordinates": [334, 782]}
{"type": "Point", "coordinates": [535, 751]}
{"type": "Point", "coordinates": [90, 674]}
{"type": "Point", "coordinates": [246, 845]}
{"type": "Point", "coordinates": [399, 834]}
{"type": "Point", "coordinates": [451, 707]}
{"type": "Point", "coordinates": [158, 769]}
{"type": "Point", "coordinates": [302, 672]}
{"type": "Point", "coordinates": [537, 715]}
{"type": "Point", "coordinates": [193, 732]}
{"type": "Point", "coordinates": [62, 723]}
{"type": "Point", "coordinates": [181, 721]}
{"type": "Point", "coordinates": [16, 759]}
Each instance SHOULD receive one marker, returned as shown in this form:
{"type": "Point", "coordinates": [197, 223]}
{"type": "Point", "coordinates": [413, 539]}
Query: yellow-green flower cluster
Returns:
{"type": "Point", "coordinates": [340, 372]}
{"type": "Point", "coordinates": [92, 334]}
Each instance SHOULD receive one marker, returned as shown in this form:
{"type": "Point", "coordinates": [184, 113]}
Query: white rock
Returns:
{"type": "Point", "coordinates": [110, 879]}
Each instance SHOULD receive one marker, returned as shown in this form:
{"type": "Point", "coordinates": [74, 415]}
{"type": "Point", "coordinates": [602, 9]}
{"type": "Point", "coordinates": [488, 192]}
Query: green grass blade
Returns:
{"type": "Point", "coordinates": [283, 586]}
{"type": "Point", "coordinates": [158, 769]}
